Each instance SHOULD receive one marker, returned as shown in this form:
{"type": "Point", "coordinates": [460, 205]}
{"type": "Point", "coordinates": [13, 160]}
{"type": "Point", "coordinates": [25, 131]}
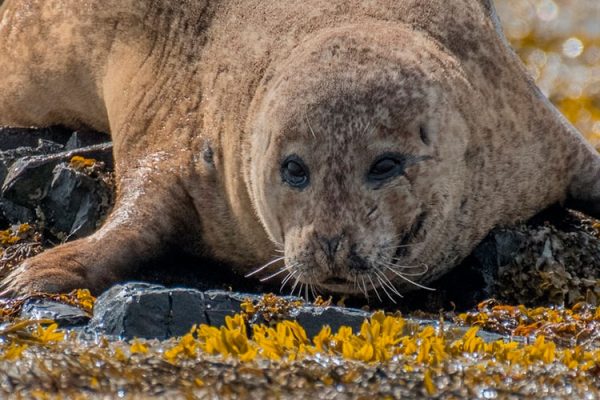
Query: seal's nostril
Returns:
{"type": "Point", "coordinates": [330, 246]}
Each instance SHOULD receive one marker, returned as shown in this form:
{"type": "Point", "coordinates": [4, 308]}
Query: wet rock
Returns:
{"type": "Point", "coordinates": [29, 178]}
{"type": "Point", "coordinates": [81, 139]}
{"type": "Point", "coordinates": [552, 259]}
{"type": "Point", "coordinates": [11, 213]}
{"type": "Point", "coordinates": [74, 201]}
{"type": "Point", "coordinates": [63, 314]}
{"type": "Point", "coordinates": [146, 311]}
{"type": "Point", "coordinates": [220, 304]}
{"type": "Point", "coordinates": [42, 147]}
{"type": "Point", "coordinates": [499, 248]}
{"type": "Point", "coordinates": [74, 142]}
{"type": "Point", "coordinates": [314, 318]}
{"type": "Point", "coordinates": [152, 311]}
{"type": "Point", "coordinates": [13, 138]}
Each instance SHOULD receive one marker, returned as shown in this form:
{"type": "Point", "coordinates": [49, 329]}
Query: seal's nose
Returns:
{"type": "Point", "coordinates": [330, 246]}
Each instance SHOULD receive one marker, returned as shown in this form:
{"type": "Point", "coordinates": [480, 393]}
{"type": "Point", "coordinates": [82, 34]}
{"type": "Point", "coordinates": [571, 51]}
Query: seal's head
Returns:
{"type": "Point", "coordinates": [355, 160]}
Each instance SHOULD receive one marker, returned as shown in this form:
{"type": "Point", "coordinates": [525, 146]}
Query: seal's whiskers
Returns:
{"type": "Point", "coordinates": [382, 286]}
{"type": "Point", "coordinates": [310, 127]}
{"type": "Point", "coordinates": [295, 283]}
{"type": "Point", "coordinates": [402, 276]}
{"type": "Point", "coordinates": [401, 246]}
{"type": "Point", "coordinates": [387, 282]}
{"type": "Point", "coordinates": [364, 288]}
{"type": "Point", "coordinates": [312, 289]}
{"type": "Point", "coordinates": [374, 287]}
{"type": "Point", "coordinates": [289, 276]}
{"type": "Point", "coordinates": [280, 271]}
{"type": "Point", "coordinates": [424, 268]}
{"type": "Point", "coordinates": [265, 266]}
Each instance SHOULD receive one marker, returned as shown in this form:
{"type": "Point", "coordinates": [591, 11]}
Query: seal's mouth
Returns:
{"type": "Point", "coordinates": [334, 280]}
{"type": "Point", "coordinates": [336, 284]}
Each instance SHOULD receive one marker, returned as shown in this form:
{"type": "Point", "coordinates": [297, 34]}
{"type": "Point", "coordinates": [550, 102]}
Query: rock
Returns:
{"type": "Point", "coordinates": [13, 138]}
{"type": "Point", "coordinates": [74, 202]}
{"type": "Point", "coordinates": [499, 248]}
{"type": "Point", "coordinates": [152, 311]}
{"type": "Point", "coordinates": [146, 311]}
{"type": "Point", "coordinates": [84, 139]}
{"type": "Point", "coordinates": [74, 142]}
{"type": "Point", "coordinates": [42, 147]}
{"type": "Point", "coordinates": [63, 314]}
{"type": "Point", "coordinates": [313, 319]}
{"type": "Point", "coordinates": [12, 214]}
{"type": "Point", "coordinates": [220, 304]}
{"type": "Point", "coordinates": [29, 178]}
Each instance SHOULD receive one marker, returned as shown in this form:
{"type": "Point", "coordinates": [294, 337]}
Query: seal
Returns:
{"type": "Point", "coordinates": [371, 145]}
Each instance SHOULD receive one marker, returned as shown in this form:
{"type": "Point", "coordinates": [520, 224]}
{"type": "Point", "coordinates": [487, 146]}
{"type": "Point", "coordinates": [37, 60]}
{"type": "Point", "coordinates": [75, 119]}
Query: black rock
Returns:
{"type": "Point", "coordinates": [74, 142]}
{"type": "Point", "coordinates": [42, 147]}
{"type": "Point", "coordinates": [146, 311]}
{"type": "Point", "coordinates": [29, 178]}
{"type": "Point", "coordinates": [220, 304]}
{"type": "Point", "coordinates": [84, 139]}
{"type": "Point", "coordinates": [12, 214]}
{"type": "Point", "coordinates": [151, 311]}
{"type": "Point", "coordinates": [313, 319]}
{"type": "Point", "coordinates": [63, 314]}
{"type": "Point", "coordinates": [13, 138]}
{"type": "Point", "coordinates": [74, 202]}
{"type": "Point", "coordinates": [499, 248]}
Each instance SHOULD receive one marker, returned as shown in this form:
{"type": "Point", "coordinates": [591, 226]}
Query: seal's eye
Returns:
{"type": "Point", "coordinates": [294, 172]}
{"type": "Point", "coordinates": [386, 167]}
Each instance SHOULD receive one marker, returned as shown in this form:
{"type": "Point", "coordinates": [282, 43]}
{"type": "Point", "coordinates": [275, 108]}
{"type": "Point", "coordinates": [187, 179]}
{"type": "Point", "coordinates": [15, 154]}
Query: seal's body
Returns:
{"type": "Point", "coordinates": [372, 143]}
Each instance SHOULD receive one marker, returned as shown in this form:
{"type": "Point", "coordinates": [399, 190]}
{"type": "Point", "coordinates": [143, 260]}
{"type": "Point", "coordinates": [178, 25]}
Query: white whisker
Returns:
{"type": "Point", "coordinates": [396, 266]}
{"type": "Point", "coordinates": [295, 284]}
{"type": "Point", "coordinates": [312, 290]}
{"type": "Point", "coordinates": [282, 270]}
{"type": "Point", "coordinates": [401, 276]}
{"type": "Point", "coordinates": [310, 127]}
{"type": "Point", "coordinates": [365, 291]}
{"type": "Point", "coordinates": [367, 125]}
{"type": "Point", "coordinates": [385, 290]}
{"type": "Point", "coordinates": [387, 281]}
{"type": "Point", "coordinates": [289, 276]}
{"type": "Point", "coordinates": [402, 267]}
{"type": "Point", "coordinates": [374, 287]}
{"type": "Point", "coordinates": [306, 293]}
{"type": "Point", "coordinates": [265, 266]}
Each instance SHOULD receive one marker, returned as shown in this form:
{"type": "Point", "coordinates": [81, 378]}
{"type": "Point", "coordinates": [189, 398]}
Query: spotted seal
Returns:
{"type": "Point", "coordinates": [343, 145]}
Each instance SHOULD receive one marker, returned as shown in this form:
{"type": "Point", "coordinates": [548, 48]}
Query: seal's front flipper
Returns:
{"type": "Point", "coordinates": [152, 214]}
{"type": "Point", "coordinates": [584, 189]}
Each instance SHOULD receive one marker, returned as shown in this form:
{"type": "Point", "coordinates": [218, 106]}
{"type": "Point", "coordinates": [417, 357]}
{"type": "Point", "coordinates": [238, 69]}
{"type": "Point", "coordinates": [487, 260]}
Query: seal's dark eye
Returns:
{"type": "Point", "coordinates": [294, 172]}
{"type": "Point", "coordinates": [386, 167]}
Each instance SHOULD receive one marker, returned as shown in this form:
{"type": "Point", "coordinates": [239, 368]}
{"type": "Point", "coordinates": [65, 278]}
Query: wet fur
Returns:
{"type": "Point", "coordinates": [201, 97]}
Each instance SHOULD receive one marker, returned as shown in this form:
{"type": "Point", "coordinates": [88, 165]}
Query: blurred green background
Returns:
{"type": "Point", "coordinates": [559, 41]}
